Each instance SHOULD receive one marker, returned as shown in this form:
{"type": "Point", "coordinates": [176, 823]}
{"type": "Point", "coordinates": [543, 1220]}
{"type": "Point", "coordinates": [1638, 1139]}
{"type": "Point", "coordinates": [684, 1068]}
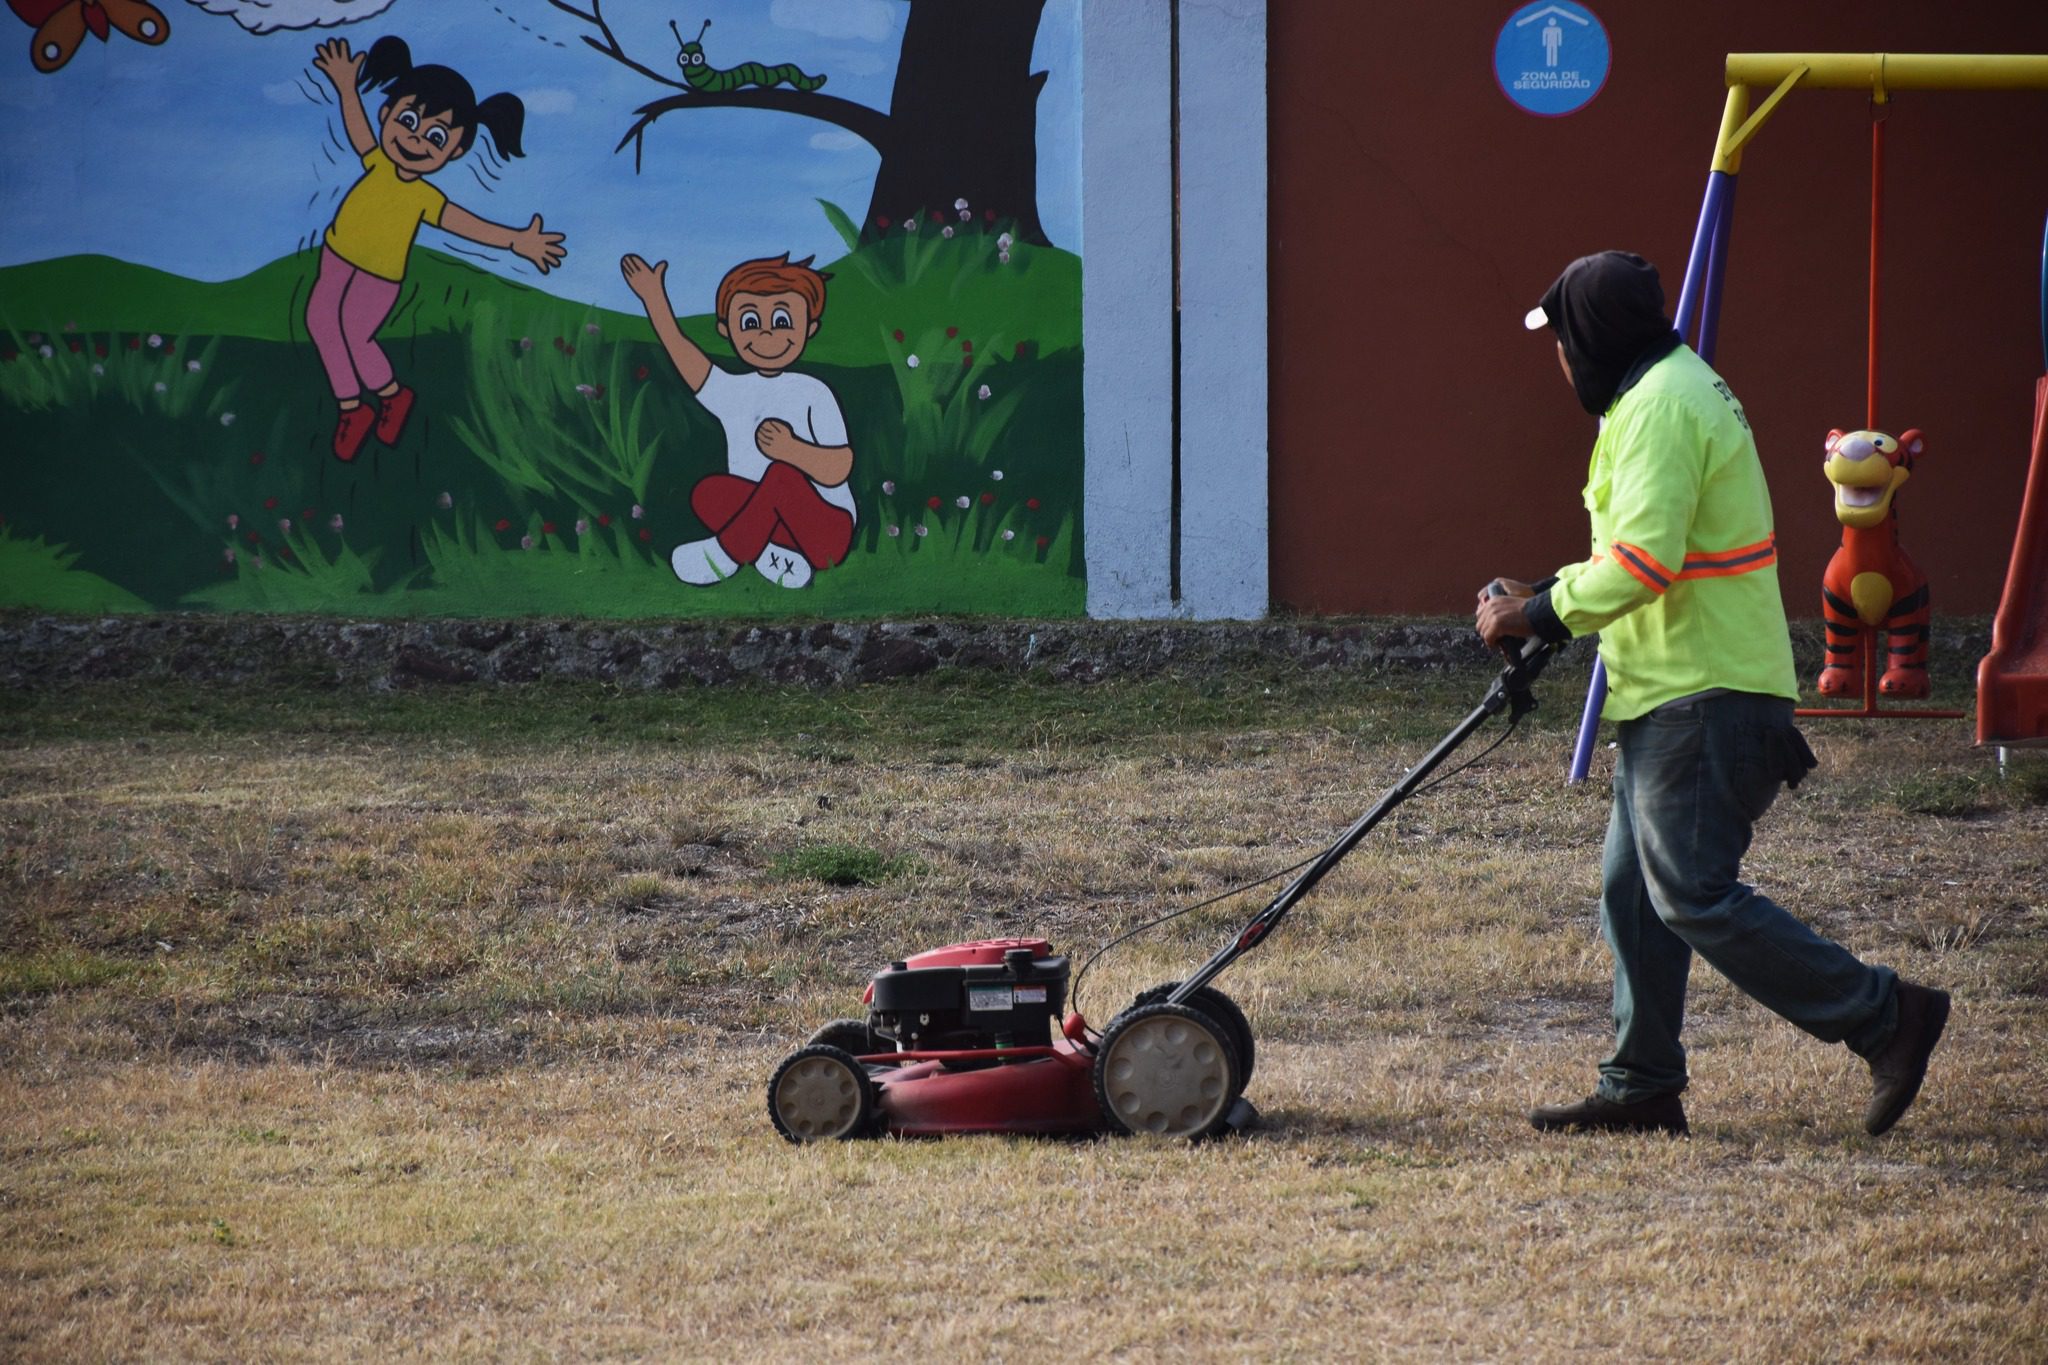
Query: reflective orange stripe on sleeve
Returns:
{"type": "Point", "coordinates": [1644, 566]}
{"type": "Point", "coordinates": [1725, 563]}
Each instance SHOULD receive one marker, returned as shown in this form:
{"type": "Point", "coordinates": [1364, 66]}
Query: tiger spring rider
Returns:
{"type": "Point", "coordinates": [1870, 584]}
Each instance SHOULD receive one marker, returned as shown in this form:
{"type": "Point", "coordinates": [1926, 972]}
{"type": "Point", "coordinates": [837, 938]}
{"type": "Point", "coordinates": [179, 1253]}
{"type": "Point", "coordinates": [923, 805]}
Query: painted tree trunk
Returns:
{"type": "Point", "coordinates": [963, 118]}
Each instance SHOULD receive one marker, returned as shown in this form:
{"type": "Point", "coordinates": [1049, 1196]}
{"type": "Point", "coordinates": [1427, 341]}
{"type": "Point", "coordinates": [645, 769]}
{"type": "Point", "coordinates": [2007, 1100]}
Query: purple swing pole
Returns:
{"type": "Point", "coordinates": [1702, 276]}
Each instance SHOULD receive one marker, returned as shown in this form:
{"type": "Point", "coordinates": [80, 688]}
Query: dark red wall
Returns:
{"type": "Point", "coordinates": [1422, 441]}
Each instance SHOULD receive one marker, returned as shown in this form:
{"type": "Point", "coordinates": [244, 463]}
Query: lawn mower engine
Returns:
{"type": "Point", "coordinates": [968, 1038]}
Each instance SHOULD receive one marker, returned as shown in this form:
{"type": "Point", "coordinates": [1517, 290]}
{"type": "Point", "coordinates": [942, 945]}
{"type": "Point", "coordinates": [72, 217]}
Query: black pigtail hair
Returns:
{"type": "Point", "coordinates": [503, 116]}
{"type": "Point", "coordinates": [387, 60]}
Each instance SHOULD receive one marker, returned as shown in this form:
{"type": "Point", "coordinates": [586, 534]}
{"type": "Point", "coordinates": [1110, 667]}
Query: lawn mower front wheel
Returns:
{"type": "Point", "coordinates": [1169, 1070]}
{"type": "Point", "coordinates": [821, 1093]}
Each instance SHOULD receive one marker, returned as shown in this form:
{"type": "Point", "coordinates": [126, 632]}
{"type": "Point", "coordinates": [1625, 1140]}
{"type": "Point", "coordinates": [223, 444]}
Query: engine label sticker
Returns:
{"type": "Point", "coordinates": [988, 997]}
{"type": "Point", "coordinates": [1031, 995]}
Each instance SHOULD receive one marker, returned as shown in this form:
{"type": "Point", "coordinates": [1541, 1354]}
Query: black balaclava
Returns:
{"type": "Point", "coordinates": [1608, 310]}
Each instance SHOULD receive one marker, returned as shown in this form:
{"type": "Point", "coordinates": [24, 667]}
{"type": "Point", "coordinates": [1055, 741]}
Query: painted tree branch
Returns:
{"type": "Point", "coordinates": [870, 125]}
{"type": "Point", "coordinates": [610, 46]}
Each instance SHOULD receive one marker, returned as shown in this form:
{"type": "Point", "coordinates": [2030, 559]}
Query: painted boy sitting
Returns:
{"type": "Point", "coordinates": [783, 505]}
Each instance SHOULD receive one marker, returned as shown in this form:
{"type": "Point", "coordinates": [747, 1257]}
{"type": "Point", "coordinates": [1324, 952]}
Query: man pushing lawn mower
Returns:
{"type": "Point", "coordinates": [1682, 586]}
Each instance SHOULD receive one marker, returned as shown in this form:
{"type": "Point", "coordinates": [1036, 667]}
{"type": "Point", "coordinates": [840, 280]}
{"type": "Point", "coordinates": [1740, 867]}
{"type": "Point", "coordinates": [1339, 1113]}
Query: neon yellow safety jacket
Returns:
{"type": "Point", "coordinates": [1682, 585]}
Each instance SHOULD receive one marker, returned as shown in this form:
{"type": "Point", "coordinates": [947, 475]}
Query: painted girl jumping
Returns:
{"type": "Point", "coordinates": [430, 117]}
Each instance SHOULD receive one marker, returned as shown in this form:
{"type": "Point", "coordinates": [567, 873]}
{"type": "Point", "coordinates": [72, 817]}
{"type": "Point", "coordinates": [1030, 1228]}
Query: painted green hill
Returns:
{"type": "Point", "coordinates": [1033, 298]}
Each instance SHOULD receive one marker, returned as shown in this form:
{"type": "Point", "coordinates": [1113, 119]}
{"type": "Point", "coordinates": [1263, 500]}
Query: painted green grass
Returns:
{"type": "Point", "coordinates": [34, 574]}
{"type": "Point", "coordinates": [548, 466]}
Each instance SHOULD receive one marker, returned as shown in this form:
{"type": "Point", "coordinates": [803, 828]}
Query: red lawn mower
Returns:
{"type": "Point", "coordinates": [962, 1039]}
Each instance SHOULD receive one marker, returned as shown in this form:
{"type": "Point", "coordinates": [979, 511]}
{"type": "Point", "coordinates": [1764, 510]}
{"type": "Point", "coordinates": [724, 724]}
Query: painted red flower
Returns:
{"type": "Point", "coordinates": [134, 343]}
{"type": "Point", "coordinates": [604, 518]}
{"type": "Point", "coordinates": [547, 528]}
{"type": "Point", "coordinates": [1020, 347]}
{"type": "Point", "coordinates": [967, 345]}
{"type": "Point", "coordinates": [308, 514]}
{"type": "Point", "coordinates": [270, 504]}
{"type": "Point", "coordinates": [932, 503]}
{"type": "Point", "coordinates": [257, 459]}
{"type": "Point", "coordinates": [640, 373]}
{"type": "Point", "coordinates": [952, 332]}
{"type": "Point", "coordinates": [100, 349]}
{"type": "Point", "coordinates": [254, 539]}
{"type": "Point", "coordinates": [1043, 542]}
{"type": "Point", "coordinates": [987, 498]}
{"type": "Point", "coordinates": [988, 215]}
{"type": "Point", "coordinates": [967, 361]}
{"type": "Point", "coordinates": [882, 221]}
{"type": "Point", "coordinates": [1031, 503]}
{"type": "Point", "coordinates": [569, 350]}
{"type": "Point", "coordinates": [284, 552]}
{"type": "Point", "coordinates": [503, 525]}
{"type": "Point", "coordinates": [938, 217]}
{"type": "Point", "coordinates": [558, 343]}
{"type": "Point", "coordinates": [898, 334]}
{"type": "Point", "coordinates": [170, 348]}
{"type": "Point", "coordinates": [76, 346]}
{"type": "Point", "coordinates": [646, 534]}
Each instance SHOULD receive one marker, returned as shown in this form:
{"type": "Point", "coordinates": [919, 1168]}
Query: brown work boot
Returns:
{"type": "Point", "coordinates": [1896, 1072]}
{"type": "Point", "coordinates": [1658, 1114]}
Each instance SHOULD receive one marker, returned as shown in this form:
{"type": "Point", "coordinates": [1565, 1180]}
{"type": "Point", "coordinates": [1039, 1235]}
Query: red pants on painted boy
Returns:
{"type": "Point", "coordinates": [784, 509]}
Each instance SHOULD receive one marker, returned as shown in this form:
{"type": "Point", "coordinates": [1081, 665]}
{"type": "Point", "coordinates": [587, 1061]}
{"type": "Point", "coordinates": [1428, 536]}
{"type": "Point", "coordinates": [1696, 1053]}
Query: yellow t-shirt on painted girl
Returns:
{"type": "Point", "coordinates": [374, 228]}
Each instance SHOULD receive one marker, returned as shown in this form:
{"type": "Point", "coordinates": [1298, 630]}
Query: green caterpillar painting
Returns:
{"type": "Point", "coordinates": [712, 80]}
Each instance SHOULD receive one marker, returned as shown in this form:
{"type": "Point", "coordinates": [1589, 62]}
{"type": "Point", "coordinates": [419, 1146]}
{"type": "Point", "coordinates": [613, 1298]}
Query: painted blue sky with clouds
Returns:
{"type": "Point", "coordinates": [208, 157]}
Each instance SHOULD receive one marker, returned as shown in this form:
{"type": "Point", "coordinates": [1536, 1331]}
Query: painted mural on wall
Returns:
{"type": "Point", "coordinates": [573, 307]}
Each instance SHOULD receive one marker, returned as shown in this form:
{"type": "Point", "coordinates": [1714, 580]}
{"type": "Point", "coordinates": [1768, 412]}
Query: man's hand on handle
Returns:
{"type": "Point", "coordinates": [1504, 616]}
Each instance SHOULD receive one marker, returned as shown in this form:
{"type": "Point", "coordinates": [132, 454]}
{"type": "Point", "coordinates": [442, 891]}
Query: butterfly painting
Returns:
{"type": "Point", "coordinates": [61, 25]}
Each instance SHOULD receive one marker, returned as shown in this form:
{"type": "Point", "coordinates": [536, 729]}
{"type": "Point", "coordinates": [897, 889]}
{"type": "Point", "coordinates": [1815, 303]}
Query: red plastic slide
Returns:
{"type": "Point", "coordinates": [2012, 680]}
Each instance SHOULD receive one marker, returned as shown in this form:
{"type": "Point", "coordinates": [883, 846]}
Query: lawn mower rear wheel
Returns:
{"type": "Point", "coordinates": [849, 1035]}
{"type": "Point", "coordinates": [821, 1093]}
{"type": "Point", "coordinates": [1224, 1011]}
{"type": "Point", "coordinates": [1169, 1070]}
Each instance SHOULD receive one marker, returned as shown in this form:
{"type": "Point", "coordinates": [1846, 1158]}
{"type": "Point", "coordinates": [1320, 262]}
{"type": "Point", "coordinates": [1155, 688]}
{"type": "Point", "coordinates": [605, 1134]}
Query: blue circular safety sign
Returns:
{"type": "Point", "coordinates": [1551, 57]}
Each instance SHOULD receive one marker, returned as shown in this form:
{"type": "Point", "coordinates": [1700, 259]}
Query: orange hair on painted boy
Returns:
{"type": "Point", "coordinates": [775, 275]}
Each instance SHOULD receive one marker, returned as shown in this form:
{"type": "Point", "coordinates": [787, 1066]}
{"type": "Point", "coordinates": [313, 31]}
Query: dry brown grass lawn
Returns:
{"type": "Point", "coordinates": [341, 1028]}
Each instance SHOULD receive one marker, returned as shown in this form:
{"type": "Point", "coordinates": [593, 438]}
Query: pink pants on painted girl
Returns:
{"type": "Point", "coordinates": [343, 313]}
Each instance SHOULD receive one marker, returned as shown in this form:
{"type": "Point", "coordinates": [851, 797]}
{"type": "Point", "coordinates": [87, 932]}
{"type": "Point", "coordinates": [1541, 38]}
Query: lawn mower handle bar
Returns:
{"type": "Point", "coordinates": [1511, 690]}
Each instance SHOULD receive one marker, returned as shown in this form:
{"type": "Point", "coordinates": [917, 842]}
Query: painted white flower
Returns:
{"type": "Point", "coordinates": [234, 520]}
{"type": "Point", "coordinates": [590, 329]}
{"type": "Point", "coordinates": [888, 485]}
{"type": "Point", "coordinates": [1003, 257]}
{"type": "Point", "coordinates": [227, 419]}
{"type": "Point", "coordinates": [946, 231]}
{"type": "Point", "coordinates": [99, 369]}
{"type": "Point", "coordinates": [334, 522]}
{"type": "Point", "coordinates": [960, 205]}
{"type": "Point", "coordinates": [587, 390]}
{"type": "Point", "coordinates": [1009, 535]}
{"type": "Point", "coordinates": [228, 554]}
{"type": "Point", "coordinates": [963, 502]}
{"type": "Point", "coordinates": [46, 352]}
{"type": "Point", "coordinates": [1003, 241]}
{"type": "Point", "coordinates": [284, 526]}
{"type": "Point", "coordinates": [257, 563]}
{"type": "Point", "coordinates": [912, 361]}
{"type": "Point", "coordinates": [895, 530]}
{"type": "Point", "coordinates": [995, 474]}
{"type": "Point", "coordinates": [922, 529]}
{"type": "Point", "coordinates": [445, 500]}
{"type": "Point", "coordinates": [966, 216]}
{"type": "Point", "coordinates": [981, 392]}
{"type": "Point", "coordinates": [526, 343]}
{"type": "Point", "coordinates": [526, 542]}
{"type": "Point", "coordinates": [582, 526]}
{"type": "Point", "coordinates": [638, 511]}
{"type": "Point", "coordinates": [910, 223]}
{"type": "Point", "coordinates": [192, 367]}
{"type": "Point", "coordinates": [161, 387]}
{"type": "Point", "coordinates": [155, 341]}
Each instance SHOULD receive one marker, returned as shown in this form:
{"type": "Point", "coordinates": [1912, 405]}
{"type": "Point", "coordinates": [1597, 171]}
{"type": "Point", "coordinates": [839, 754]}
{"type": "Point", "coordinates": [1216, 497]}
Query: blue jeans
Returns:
{"type": "Point", "coordinates": [1692, 780]}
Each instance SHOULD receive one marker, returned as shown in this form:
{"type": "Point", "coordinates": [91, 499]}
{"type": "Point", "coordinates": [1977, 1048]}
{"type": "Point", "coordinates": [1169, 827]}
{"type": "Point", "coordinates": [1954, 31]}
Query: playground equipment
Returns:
{"type": "Point", "coordinates": [1699, 307]}
{"type": "Point", "coordinates": [2012, 680]}
{"type": "Point", "coordinates": [1870, 584]}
